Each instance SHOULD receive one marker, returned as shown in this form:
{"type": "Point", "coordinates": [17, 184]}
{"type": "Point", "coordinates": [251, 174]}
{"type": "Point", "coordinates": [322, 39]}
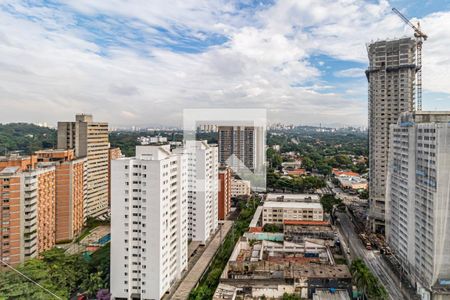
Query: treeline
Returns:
{"type": "Point", "coordinates": [27, 138]}
{"type": "Point", "coordinates": [295, 184]}
{"type": "Point", "coordinates": [320, 152]}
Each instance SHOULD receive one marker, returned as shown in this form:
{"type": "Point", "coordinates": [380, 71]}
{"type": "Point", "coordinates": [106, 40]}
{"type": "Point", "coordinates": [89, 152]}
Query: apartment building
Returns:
{"type": "Point", "coordinates": [418, 210]}
{"type": "Point", "coordinates": [224, 192]}
{"type": "Point", "coordinates": [240, 187]}
{"type": "Point", "coordinates": [149, 230]}
{"type": "Point", "coordinates": [391, 75]}
{"type": "Point", "coordinates": [241, 147]}
{"type": "Point", "coordinates": [69, 185]}
{"type": "Point", "coordinates": [89, 139]}
{"type": "Point", "coordinates": [27, 206]}
{"type": "Point", "coordinates": [279, 212]}
{"type": "Point", "coordinates": [202, 170]}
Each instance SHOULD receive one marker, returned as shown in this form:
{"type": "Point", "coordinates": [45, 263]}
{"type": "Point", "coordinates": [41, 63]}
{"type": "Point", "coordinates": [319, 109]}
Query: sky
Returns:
{"type": "Point", "coordinates": [141, 62]}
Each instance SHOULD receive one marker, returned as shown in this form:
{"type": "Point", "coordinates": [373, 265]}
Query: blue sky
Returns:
{"type": "Point", "coordinates": [141, 62]}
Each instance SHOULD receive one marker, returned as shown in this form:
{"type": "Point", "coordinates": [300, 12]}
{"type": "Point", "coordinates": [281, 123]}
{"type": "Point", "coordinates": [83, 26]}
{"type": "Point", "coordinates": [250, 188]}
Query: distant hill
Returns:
{"type": "Point", "coordinates": [25, 137]}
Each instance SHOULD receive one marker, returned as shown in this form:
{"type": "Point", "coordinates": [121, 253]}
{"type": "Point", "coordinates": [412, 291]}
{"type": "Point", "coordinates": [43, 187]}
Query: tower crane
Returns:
{"type": "Point", "coordinates": [420, 38]}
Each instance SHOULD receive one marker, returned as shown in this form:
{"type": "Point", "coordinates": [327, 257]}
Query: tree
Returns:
{"type": "Point", "coordinates": [94, 283]}
{"type": "Point", "coordinates": [57, 272]}
{"type": "Point", "coordinates": [287, 296]}
{"type": "Point", "coordinates": [328, 201]}
{"type": "Point", "coordinates": [307, 163]}
{"type": "Point", "coordinates": [272, 228]}
{"type": "Point", "coordinates": [366, 281]}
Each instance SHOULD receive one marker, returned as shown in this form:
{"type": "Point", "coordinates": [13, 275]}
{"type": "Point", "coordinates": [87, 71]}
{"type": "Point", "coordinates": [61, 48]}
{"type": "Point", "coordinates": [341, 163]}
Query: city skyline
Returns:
{"type": "Point", "coordinates": [140, 65]}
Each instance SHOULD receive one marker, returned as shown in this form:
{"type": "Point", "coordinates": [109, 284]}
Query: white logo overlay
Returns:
{"type": "Point", "coordinates": [241, 139]}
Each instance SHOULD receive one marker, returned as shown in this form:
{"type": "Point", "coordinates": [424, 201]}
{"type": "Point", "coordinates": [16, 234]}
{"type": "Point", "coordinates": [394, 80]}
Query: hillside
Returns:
{"type": "Point", "coordinates": [25, 137]}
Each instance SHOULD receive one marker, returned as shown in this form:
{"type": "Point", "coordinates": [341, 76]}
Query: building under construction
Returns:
{"type": "Point", "coordinates": [391, 75]}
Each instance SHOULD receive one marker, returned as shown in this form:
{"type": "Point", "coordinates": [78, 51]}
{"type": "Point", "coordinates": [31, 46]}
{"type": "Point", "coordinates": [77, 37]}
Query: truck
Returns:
{"type": "Point", "coordinates": [366, 242]}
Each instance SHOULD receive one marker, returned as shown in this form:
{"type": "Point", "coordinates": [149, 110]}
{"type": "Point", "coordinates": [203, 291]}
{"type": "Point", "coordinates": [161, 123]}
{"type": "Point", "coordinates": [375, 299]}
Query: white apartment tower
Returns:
{"type": "Point", "coordinates": [418, 199]}
{"type": "Point", "coordinates": [89, 139]}
{"type": "Point", "coordinates": [391, 75]}
{"type": "Point", "coordinates": [149, 237]}
{"type": "Point", "coordinates": [203, 200]}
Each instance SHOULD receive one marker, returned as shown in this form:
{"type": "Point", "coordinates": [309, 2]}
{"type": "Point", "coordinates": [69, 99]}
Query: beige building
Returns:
{"type": "Point", "coordinates": [279, 212]}
{"type": "Point", "coordinates": [89, 139]}
{"type": "Point", "coordinates": [240, 188]}
{"type": "Point", "coordinates": [391, 74]}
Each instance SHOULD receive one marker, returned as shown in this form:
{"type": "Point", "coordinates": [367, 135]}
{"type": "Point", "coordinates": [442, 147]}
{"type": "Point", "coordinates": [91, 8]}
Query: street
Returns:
{"type": "Point", "coordinates": [372, 259]}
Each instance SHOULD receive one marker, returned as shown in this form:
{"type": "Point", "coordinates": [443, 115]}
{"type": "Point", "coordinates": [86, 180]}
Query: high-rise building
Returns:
{"type": "Point", "coordinates": [113, 153]}
{"type": "Point", "coordinates": [27, 205]}
{"type": "Point", "coordinates": [224, 192]}
{"type": "Point", "coordinates": [89, 139]}
{"type": "Point", "coordinates": [241, 147]}
{"type": "Point", "coordinates": [391, 75]}
{"type": "Point", "coordinates": [149, 230]}
{"type": "Point", "coordinates": [202, 170]}
{"type": "Point", "coordinates": [418, 210]}
{"type": "Point", "coordinates": [69, 172]}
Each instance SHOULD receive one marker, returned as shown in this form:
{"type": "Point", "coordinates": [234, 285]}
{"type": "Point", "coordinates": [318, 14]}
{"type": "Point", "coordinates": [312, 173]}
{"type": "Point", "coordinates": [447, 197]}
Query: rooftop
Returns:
{"type": "Point", "coordinates": [330, 294]}
{"type": "Point", "coordinates": [305, 222]}
{"type": "Point", "coordinates": [273, 204]}
{"type": "Point", "coordinates": [9, 170]}
{"type": "Point", "coordinates": [292, 197]}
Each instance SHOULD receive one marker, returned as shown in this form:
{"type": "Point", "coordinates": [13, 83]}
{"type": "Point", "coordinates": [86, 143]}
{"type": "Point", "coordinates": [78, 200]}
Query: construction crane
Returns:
{"type": "Point", "coordinates": [420, 38]}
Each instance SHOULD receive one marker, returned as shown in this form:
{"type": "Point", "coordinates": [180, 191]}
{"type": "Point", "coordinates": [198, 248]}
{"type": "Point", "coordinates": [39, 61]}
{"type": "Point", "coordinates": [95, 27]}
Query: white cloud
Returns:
{"type": "Point", "coordinates": [352, 72]}
{"type": "Point", "coordinates": [50, 70]}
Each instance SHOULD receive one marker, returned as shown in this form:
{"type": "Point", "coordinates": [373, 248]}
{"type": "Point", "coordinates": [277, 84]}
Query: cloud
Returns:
{"type": "Point", "coordinates": [141, 62]}
{"type": "Point", "coordinates": [352, 72]}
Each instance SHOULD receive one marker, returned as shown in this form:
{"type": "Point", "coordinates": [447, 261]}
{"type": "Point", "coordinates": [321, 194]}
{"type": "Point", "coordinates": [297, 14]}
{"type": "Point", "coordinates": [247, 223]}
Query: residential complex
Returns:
{"type": "Point", "coordinates": [89, 139]}
{"type": "Point", "coordinates": [418, 211]}
{"type": "Point", "coordinates": [240, 187]}
{"type": "Point", "coordinates": [69, 189]}
{"type": "Point", "coordinates": [224, 201]}
{"type": "Point", "coordinates": [202, 172]}
{"type": "Point", "coordinates": [149, 222]}
{"type": "Point", "coordinates": [27, 203]}
{"type": "Point", "coordinates": [391, 75]}
{"type": "Point", "coordinates": [279, 212]}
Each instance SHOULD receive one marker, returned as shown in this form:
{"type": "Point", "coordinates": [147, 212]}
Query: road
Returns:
{"type": "Point", "coordinates": [372, 259]}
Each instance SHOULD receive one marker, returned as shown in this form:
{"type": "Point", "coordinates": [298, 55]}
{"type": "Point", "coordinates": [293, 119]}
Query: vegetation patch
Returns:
{"type": "Point", "coordinates": [366, 282]}
{"type": "Point", "coordinates": [209, 282]}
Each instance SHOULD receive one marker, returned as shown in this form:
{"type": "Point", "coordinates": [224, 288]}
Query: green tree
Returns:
{"type": "Point", "coordinates": [328, 201]}
{"type": "Point", "coordinates": [308, 163]}
{"type": "Point", "coordinates": [287, 296]}
{"type": "Point", "coordinates": [57, 272]}
{"type": "Point", "coordinates": [366, 281]}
